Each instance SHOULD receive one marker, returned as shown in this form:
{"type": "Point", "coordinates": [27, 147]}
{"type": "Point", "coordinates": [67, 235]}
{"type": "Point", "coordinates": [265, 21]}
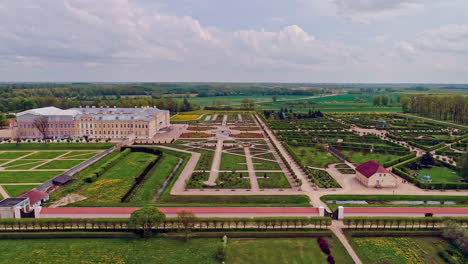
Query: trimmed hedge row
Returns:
{"type": "Point", "coordinates": [365, 222]}
{"type": "Point", "coordinates": [399, 160]}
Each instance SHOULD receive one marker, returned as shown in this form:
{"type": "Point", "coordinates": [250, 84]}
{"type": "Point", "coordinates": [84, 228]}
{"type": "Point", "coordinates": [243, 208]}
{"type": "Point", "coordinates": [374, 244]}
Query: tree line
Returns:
{"type": "Point", "coordinates": [452, 108]}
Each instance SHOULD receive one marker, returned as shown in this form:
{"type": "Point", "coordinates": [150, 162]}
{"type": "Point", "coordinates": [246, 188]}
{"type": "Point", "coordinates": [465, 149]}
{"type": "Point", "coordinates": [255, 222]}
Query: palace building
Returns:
{"type": "Point", "coordinates": [94, 122]}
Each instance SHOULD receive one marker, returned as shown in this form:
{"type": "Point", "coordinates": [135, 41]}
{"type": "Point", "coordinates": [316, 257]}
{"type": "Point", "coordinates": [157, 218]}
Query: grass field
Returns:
{"type": "Point", "coordinates": [230, 162]}
{"type": "Point", "coordinates": [12, 155]}
{"type": "Point", "coordinates": [314, 157]}
{"type": "Point", "coordinates": [265, 165]}
{"type": "Point", "coordinates": [282, 250]}
{"type": "Point", "coordinates": [236, 100]}
{"type": "Point", "coordinates": [115, 182]}
{"type": "Point", "coordinates": [399, 250]}
{"type": "Point", "coordinates": [17, 190]}
{"type": "Point", "coordinates": [60, 164]}
{"type": "Point", "coordinates": [440, 174]}
{"type": "Point", "coordinates": [361, 157]}
{"type": "Point", "coordinates": [155, 250]}
{"type": "Point", "coordinates": [27, 176]}
{"type": "Point", "coordinates": [272, 180]}
{"type": "Point", "coordinates": [45, 155]}
{"type": "Point", "coordinates": [156, 178]}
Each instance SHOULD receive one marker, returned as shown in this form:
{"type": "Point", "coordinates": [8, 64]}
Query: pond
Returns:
{"type": "Point", "coordinates": [208, 118]}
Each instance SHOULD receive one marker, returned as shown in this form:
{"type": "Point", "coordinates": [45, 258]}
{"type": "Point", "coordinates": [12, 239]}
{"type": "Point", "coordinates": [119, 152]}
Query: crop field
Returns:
{"type": "Point", "coordinates": [401, 250]}
{"type": "Point", "coordinates": [21, 171]}
{"type": "Point", "coordinates": [237, 100]}
{"type": "Point", "coordinates": [337, 103]}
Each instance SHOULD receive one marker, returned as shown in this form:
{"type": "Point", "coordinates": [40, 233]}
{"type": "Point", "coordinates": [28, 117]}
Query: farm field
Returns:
{"type": "Point", "coordinates": [236, 100]}
{"type": "Point", "coordinates": [400, 250]}
{"type": "Point", "coordinates": [82, 250]}
{"type": "Point", "coordinates": [282, 250]}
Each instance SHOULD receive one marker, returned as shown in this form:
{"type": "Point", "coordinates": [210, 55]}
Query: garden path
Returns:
{"type": "Point", "coordinates": [337, 229]}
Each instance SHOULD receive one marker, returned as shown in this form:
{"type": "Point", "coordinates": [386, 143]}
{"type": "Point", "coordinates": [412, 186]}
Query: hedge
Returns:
{"type": "Point", "coordinates": [400, 222]}
{"type": "Point", "coordinates": [101, 170]}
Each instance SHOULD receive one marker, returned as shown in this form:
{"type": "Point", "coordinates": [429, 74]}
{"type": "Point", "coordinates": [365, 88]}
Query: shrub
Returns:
{"type": "Point", "coordinates": [323, 244]}
{"type": "Point", "coordinates": [331, 259]}
{"type": "Point", "coordinates": [90, 178]}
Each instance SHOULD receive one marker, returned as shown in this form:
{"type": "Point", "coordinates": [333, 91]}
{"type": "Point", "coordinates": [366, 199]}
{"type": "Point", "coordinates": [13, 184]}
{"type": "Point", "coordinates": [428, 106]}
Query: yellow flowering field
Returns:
{"type": "Point", "coordinates": [399, 250]}
{"type": "Point", "coordinates": [184, 117]}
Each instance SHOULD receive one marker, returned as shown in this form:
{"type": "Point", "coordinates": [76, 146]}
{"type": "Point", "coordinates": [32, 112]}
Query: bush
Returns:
{"type": "Point", "coordinates": [90, 178]}
{"type": "Point", "coordinates": [323, 244]}
{"type": "Point", "coordinates": [331, 259]}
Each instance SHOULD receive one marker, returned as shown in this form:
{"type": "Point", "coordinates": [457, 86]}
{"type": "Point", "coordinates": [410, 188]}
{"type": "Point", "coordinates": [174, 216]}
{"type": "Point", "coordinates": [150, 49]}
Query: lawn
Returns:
{"type": "Point", "coordinates": [361, 157]}
{"type": "Point", "coordinates": [17, 190]}
{"type": "Point", "coordinates": [230, 162]}
{"type": "Point", "coordinates": [12, 155]}
{"type": "Point", "coordinates": [80, 155]}
{"type": "Point", "coordinates": [23, 164]}
{"type": "Point", "coordinates": [115, 182]}
{"type": "Point", "coordinates": [313, 156]}
{"type": "Point", "coordinates": [265, 165]}
{"type": "Point", "coordinates": [45, 155]}
{"type": "Point", "coordinates": [283, 250]}
{"type": "Point", "coordinates": [82, 250]}
{"type": "Point", "coordinates": [27, 176]}
{"type": "Point", "coordinates": [55, 146]}
{"type": "Point", "coordinates": [272, 180]}
{"type": "Point", "coordinates": [155, 179]}
{"type": "Point", "coordinates": [60, 164]}
{"type": "Point", "coordinates": [399, 250]}
{"type": "Point", "coordinates": [440, 174]}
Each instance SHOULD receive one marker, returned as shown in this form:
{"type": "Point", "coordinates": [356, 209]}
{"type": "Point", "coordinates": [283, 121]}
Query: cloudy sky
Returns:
{"type": "Point", "coordinates": [234, 41]}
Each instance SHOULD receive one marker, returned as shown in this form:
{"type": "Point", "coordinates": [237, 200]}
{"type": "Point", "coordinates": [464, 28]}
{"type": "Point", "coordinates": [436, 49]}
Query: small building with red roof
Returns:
{"type": "Point", "coordinates": [372, 174]}
{"type": "Point", "coordinates": [36, 198]}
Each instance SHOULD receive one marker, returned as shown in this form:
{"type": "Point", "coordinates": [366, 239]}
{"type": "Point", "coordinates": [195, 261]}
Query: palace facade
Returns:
{"type": "Point", "coordinates": [94, 122]}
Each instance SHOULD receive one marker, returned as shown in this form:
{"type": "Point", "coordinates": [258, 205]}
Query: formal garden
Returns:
{"type": "Point", "coordinates": [27, 165]}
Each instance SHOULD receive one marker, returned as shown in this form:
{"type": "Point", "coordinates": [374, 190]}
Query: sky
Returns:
{"type": "Point", "coordinates": [359, 41]}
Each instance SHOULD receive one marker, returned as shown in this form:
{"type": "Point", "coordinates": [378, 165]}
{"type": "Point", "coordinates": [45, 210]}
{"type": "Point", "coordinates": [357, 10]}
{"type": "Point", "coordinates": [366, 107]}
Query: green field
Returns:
{"type": "Point", "coordinates": [265, 165]}
{"type": "Point", "coordinates": [272, 180]}
{"type": "Point", "coordinates": [361, 157]}
{"type": "Point", "coordinates": [282, 250]}
{"type": "Point", "coordinates": [12, 155]}
{"type": "Point", "coordinates": [27, 176]}
{"type": "Point", "coordinates": [17, 190]}
{"type": "Point", "coordinates": [115, 182]}
{"type": "Point", "coordinates": [236, 100]}
{"type": "Point", "coordinates": [82, 250]}
{"type": "Point", "coordinates": [440, 174]}
{"type": "Point", "coordinates": [230, 162]}
{"type": "Point", "coordinates": [314, 157]}
{"type": "Point", "coordinates": [156, 178]}
{"type": "Point", "coordinates": [400, 250]}
{"type": "Point", "coordinates": [60, 164]}
{"type": "Point", "coordinates": [45, 155]}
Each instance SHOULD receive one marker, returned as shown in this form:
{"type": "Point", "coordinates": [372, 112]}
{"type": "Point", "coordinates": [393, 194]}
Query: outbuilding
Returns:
{"type": "Point", "coordinates": [372, 174]}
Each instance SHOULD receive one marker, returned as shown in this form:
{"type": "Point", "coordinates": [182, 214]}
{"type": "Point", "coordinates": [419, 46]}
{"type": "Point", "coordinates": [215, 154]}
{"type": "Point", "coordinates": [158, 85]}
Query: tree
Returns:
{"type": "Point", "coordinates": [41, 123]}
{"type": "Point", "coordinates": [3, 120]}
{"type": "Point", "coordinates": [405, 104]}
{"type": "Point", "coordinates": [146, 218]}
{"type": "Point", "coordinates": [463, 165]}
{"type": "Point", "coordinates": [16, 135]}
{"type": "Point", "coordinates": [187, 222]}
{"type": "Point", "coordinates": [427, 159]}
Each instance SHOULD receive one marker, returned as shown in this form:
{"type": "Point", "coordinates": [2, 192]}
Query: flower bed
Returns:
{"type": "Point", "coordinates": [248, 135]}
{"type": "Point", "coordinates": [195, 135]}
{"type": "Point", "coordinates": [196, 128]}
